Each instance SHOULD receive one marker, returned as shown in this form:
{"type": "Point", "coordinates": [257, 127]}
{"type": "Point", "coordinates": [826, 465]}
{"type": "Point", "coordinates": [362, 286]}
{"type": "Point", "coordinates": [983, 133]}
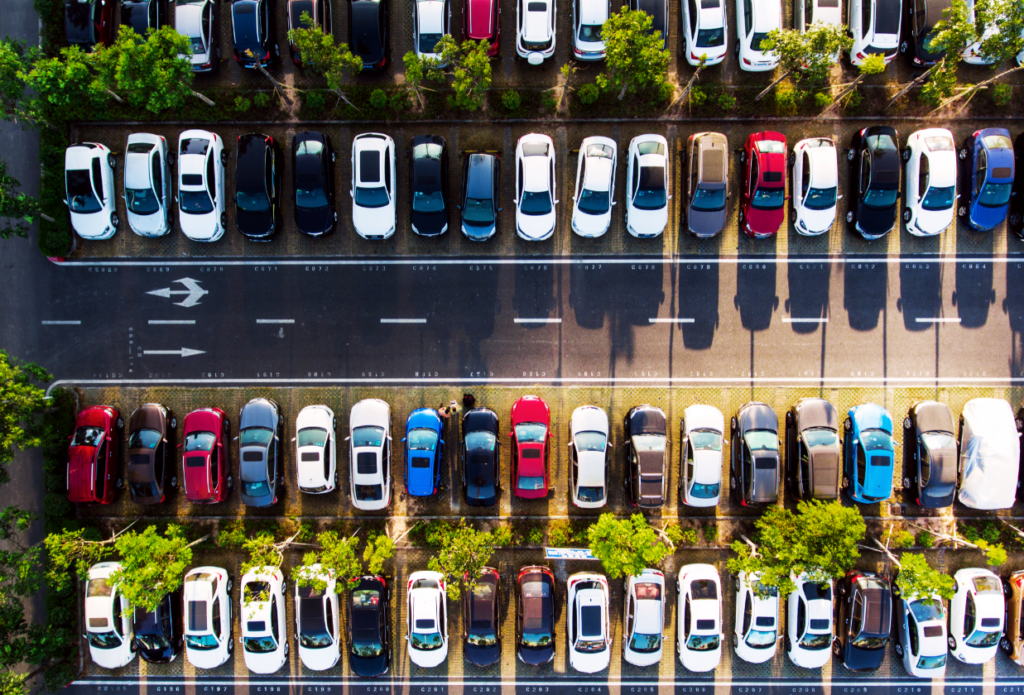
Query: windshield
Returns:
{"type": "Point", "coordinates": [480, 441]}
{"type": "Point", "coordinates": [649, 442]}
{"type": "Point", "coordinates": [708, 200]}
{"type": "Point", "coordinates": [141, 201]}
{"type": "Point", "coordinates": [104, 640]}
{"type": "Point", "coordinates": [981, 638]}
{"type": "Point", "coordinates": [590, 494]}
{"type": "Point", "coordinates": [367, 436]}
{"type": "Point", "coordinates": [702, 643]}
{"type": "Point", "coordinates": [871, 642]}
{"type": "Point", "coordinates": [651, 195]}
{"type": "Point", "coordinates": [939, 198]}
{"type": "Point", "coordinates": [881, 196]}
{"type": "Point", "coordinates": [816, 641]}
{"type": "Point", "coordinates": [930, 662]}
{"type": "Point", "coordinates": [710, 38]}
{"type": "Point", "coordinates": [88, 436]}
{"type": "Point", "coordinates": [144, 489]}
{"type": "Point", "coordinates": [201, 642]}
{"type": "Point", "coordinates": [531, 482]}
{"type": "Point", "coordinates": [369, 493]}
{"type": "Point", "coordinates": [761, 639]}
{"type": "Point", "coordinates": [938, 440]}
{"type": "Point", "coordinates": [197, 45]}
{"type": "Point", "coordinates": [536, 639]}
{"type": "Point", "coordinates": [252, 202]}
{"type": "Point", "coordinates": [80, 193]}
{"type": "Point", "coordinates": [820, 198]}
{"type": "Point", "coordinates": [195, 202]}
{"type": "Point", "coordinates": [310, 198]}
{"type": "Point", "coordinates": [258, 489]}
{"type": "Point", "coordinates": [426, 641]}
{"type": "Point", "coordinates": [428, 42]}
{"type": "Point", "coordinates": [427, 202]}
{"type": "Point", "coordinates": [255, 435]}
{"type": "Point", "coordinates": [757, 39]}
{"type": "Point", "coordinates": [927, 609]}
{"type": "Point", "coordinates": [143, 439]}
{"type": "Point", "coordinates": [593, 202]}
{"type": "Point", "coordinates": [762, 440]}
{"type": "Point", "coordinates": [645, 644]}
{"type": "Point", "coordinates": [820, 436]}
{"type": "Point", "coordinates": [706, 441]}
{"type": "Point", "coordinates": [876, 440]}
{"type": "Point", "coordinates": [312, 436]}
{"type": "Point", "coordinates": [995, 195]}
{"type": "Point", "coordinates": [153, 643]}
{"type": "Point", "coordinates": [478, 211]}
{"type": "Point", "coordinates": [535, 203]}
{"type": "Point", "coordinates": [530, 432]}
{"type": "Point", "coordinates": [768, 198]}
{"type": "Point", "coordinates": [259, 645]}
{"type": "Point", "coordinates": [421, 439]}
{"type": "Point", "coordinates": [482, 639]}
{"type": "Point", "coordinates": [371, 197]}
{"type": "Point", "coordinates": [590, 441]}
{"type": "Point", "coordinates": [200, 441]}
{"type": "Point", "coordinates": [367, 648]}
{"type": "Point", "coordinates": [590, 32]}
{"type": "Point", "coordinates": [704, 491]}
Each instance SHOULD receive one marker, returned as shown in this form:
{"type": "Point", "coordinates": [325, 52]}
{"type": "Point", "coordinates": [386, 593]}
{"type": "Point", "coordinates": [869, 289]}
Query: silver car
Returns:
{"type": "Point", "coordinates": [147, 184]}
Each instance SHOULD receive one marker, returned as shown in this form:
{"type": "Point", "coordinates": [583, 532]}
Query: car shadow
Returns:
{"type": "Point", "coordinates": [920, 299]}
{"type": "Point", "coordinates": [865, 290]}
{"type": "Point", "coordinates": [698, 303]}
{"type": "Point", "coordinates": [808, 292]}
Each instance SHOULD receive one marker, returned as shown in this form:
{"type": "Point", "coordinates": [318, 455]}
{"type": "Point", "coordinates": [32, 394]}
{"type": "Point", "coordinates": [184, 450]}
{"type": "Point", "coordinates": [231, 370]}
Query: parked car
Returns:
{"type": "Point", "coordinates": [424, 452]}
{"type": "Point", "coordinates": [257, 187]}
{"type": "Point", "coordinates": [481, 175]}
{"type": "Point", "coordinates": [264, 624]}
{"type": "Point", "coordinates": [535, 615]}
{"type": "Point", "coordinates": [202, 213]}
{"type": "Point", "coordinates": [809, 12]}
{"type": "Point", "coordinates": [535, 30]}
{"type": "Point", "coordinates": [535, 185]}
{"type": "Point", "coordinates": [707, 166]}
{"type": "Point", "coordinates": [199, 22]}
{"type": "Point", "coordinates": [869, 454]}
{"type": "Point", "coordinates": [595, 186]}
{"type": "Point", "coordinates": [924, 15]}
{"type": "Point", "coordinates": [369, 620]}
{"type": "Point", "coordinates": [874, 157]}
{"type": "Point", "coordinates": [987, 178]}
{"type": "Point", "coordinates": [587, 622]}
{"type": "Point", "coordinates": [699, 633]}
{"type": "Point", "coordinates": [316, 449]}
{"type": "Point", "coordinates": [1015, 215]}
{"type": "Point", "coordinates": [762, 207]}
{"type": "Point", "coordinates": [252, 31]}
{"type": "Point", "coordinates": [151, 453]}
{"type": "Point", "coordinates": [658, 11]}
{"type": "Point", "coordinates": [89, 22]}
{"type": "Point", "coordinates": [1012, 642]}
{"type": "Point", "coordinates": [318, 621]}
{"type": "Point", "coordinates": [481, 457]}
{"type": "Point", "coordinates": [929, 455]}
{"type": "Point", "coordinates": [206, 456]}
{"type": "Point", "coordinates": [108, 619]}
{"type": "Point", "coordinates": [261, 468]}
{"type": "Point", "coordinates": [158, 633]}
{"type": "Point", "coordinates": [755, 634]}
{"type": "Point", "coordinates": [531, 423]}
{"type": "Point", "coordinates": [588, 16]}
{"type": "Point", "coordinates": [702, 430]}
{"type": "Point", "coordinates": [142, 15]}
{"type": "Point", "coordinates": [755, 19]}
{"type": "Point", "coordinates": [809, 627]}
{"type": "Point", "coordinates": [208, 623]}
{"type": "Point", "coordinates": [754, 455]}
{"type": "Point", "coordinates": [320, 16]}
{"type": "Point", "coordinates": [705, 31]}
{"type": "Point", "coordinates": [430, 21]}
{"type": "Point", "coordinates": [373, 183]}
{"type": "Point", "coordinates": [930, 181]}
{"type": "Point", "coordinates": [812, 449]}
{"type": "Point", "coordinates": [646, 433]}
{"type": "Point", "coordinates": [976, 615]}
{"type": "Point", "coordinates": [589, 457]}
{"type": "Point", "coordinates": [147, 185]}
{"type": "Point", "coordinates": [647, 187]}
{"type": "Point", "coordinates": [368, 32]}
{"type": "Point", "coordinates": [427, 619]}
{"type": "Point", "coordinates": [875, 26]}
{"type": "Point", "coordinates": [89, 187]}
{"type": "Point", "coordinates": [989, 454]}
{"type": "Point", "coordinates": [815, 186]}
{"type": "Point", "coordinates": [643, 618]}
{"type": "Point", "coordinates": [481, 619]}
{"type": "Point", "coordinates": [864, 620]}
{"type": "Point", "coordinates": [93, 455]}
{"type": "Point", "coordinates": [428, 181]}
{"type": "Point", "coordinates": [369, 440]}
{"type": "Point", "coordinates": [313, 163]}
{"type": "Point", "coordinates": [920, 633]}
{"type": "Point", "coordinates": [481, 21]}
{"type": "Point", "coordinates": [973, 55]}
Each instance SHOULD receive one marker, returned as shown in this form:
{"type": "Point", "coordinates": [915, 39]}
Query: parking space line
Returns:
{"type": "Point", "coordinates": [420, 321]}
{"type": "Point", "coordinates": [568, 682]}
{"type": "Point", "coordinates": [275, 320]}
{"type": "Point", "coordinates": [937, 320]}
{"type": "Point", "coordinates": [162, 322]}
{"type": "Point", "coordinates": [522, 320]}
{"type": "Point", "coordinates": [787, 319]}
{"type": "Point", "coordinates": [670, 320]}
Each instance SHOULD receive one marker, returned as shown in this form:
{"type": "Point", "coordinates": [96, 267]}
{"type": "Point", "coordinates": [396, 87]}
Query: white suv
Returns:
{"type": "Point", "coordinates": [705, 30]}
{"type": "Point", "coordinates": [264, 626]}
{"type": "Point", "coordinates": [108, 619]}
{"type": "Point", "coordinates": [373, 186]}
{"type": "Point", "coordinates": [809, 626]}
{"type": "Point", "coordinates": [647, 186]}
{"type": "Point", "coordinates": [754, 20]}
{"type": "Point", "coordinates": [588, 16]}
{"type": "Point", "coordinates": [930, 183]}
{"type": "Point", "coordinates": [587, 622]}
{"type": "Point", "coordinates": [976, 616]}
{"type": "Point", "coordinates": [369, 441]}
{"type": "Point", "coordinates": [700, 476]}
{"type": "Point", "coordinates": [756, 633]}
{"type": "Point", "coordinates": [815, 185]}
{"type": "Point", "coordinates": [595, 187]}
{"type": "Point", "coordinates": [89, 186]}
{"type": "Point", "coordinates": [147, 184]}
{"type": "Point", "coordinates": [427, 619]}
{"type": "Point", "coordinates": [208, 642]}
{"type": "Point", "coordinates": [535, 187]}
{"type": "Point", "coordinates": [202, 214]}
{"type": "Point", "coordinates": [921, 634]}
{"type": "Point", "coordinates": [643, 618]}
{"type": "Point", "coordinates": [316, 449]}
{"type": "Point", "coordinates": [317, 618]}
{"type": "Point", "coordinates": [699, 632]}
{"type": "Point", "coordinates": [875, 26]}
{"type": "Point", "coordinates": [535, 30]}
{"type": "Point", "coordinates": [589, 451]}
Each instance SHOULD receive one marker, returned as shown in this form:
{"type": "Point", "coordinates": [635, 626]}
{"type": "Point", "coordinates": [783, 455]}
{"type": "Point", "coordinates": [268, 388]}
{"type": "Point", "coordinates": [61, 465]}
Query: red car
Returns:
{"type": "Point", "coordinates": [531, 422]}
{"type": "Point", "coordinates": [764, 184]}
{"type": "Point", "coordinates": [481, 20]}
{"type": "Point", "coordinates": [89, 22]}
{"type": "Point", "coordinates": [206, 456]}
{"type": "Point", "coordinates": [93, 455]}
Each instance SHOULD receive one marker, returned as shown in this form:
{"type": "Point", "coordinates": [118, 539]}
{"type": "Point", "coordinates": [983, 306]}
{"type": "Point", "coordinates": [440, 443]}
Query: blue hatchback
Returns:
{"type": "Point", "coordinates": [424, 451]}
{"type": "Point", "coordinates": [987, 179]}
{"type": "Point", "coordinates": [868, 454]}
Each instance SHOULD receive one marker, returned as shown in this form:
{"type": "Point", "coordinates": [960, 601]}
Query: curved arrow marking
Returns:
{"type": "Point", "coordinates": [192, 289]}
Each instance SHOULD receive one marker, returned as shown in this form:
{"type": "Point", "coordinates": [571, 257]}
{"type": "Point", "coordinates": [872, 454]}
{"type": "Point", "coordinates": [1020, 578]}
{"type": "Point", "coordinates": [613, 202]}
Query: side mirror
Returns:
{"type": "Point", "coordinates": [403, 439]}
{"type": "Point", "coordinates": [458, 207]}
{"type": "Point", "coordinates": [235, 439]}
{"type": "Point", "coordinates": [293, 439]}
{"type": "Point", "coordinates": [347, 438]}
{"type": "Point", "coordinates": [839, 197]}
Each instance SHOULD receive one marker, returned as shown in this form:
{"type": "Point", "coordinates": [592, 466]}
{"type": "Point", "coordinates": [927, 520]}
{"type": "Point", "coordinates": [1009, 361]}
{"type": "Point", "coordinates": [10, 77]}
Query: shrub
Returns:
{"type": "Point", "coordinates": [688, 537]}
{"type": "Point", "coordinates": [399, 101]}
{"type": "Point", "coordinates": [55, 504]}
{"type": "Point", "coordinates": [1001, 94]}
{"type": "Point", "coordinates": [242, 104]}
{"type": "Point", "coordinates": [261, 99]}
{"type": "Point", "coordinates": [378, 99]}
{"type": "Point", "coordinates": [588, 93]}
{"type": "Point", "coordinates": [233, 535]}
{"type": "Point", "coordinates": [903, 539]}
{"type": "Point", "coordinates": [711, 534]}
{"type": "Point", "coordinates": [559, 533]}
{"type": "Point", "coordinates": [511, 100]}
{"type": "Point", "coordinates": [925, 539]}
{"type": "Point", "coordinates": [822, 99]}
{"type": "Point", "coordinates": [853, 102]}
{"type": "Point", "coordinates": [536, 535]}
{"type": "Point", "coordinates": [726, 101]}
{"type": "Point", "coordinates": [664, 93]}
{"type": "Point", "coordinates": [785, 100]}
{"type": "Point", "coordinates": [698, 95]}
{"type": "Point", "coordinates": [502, 536]}
{"type": "Point", "coordinates": [315, 101]}
{"type": "Point", "coordinates": [549, 103]}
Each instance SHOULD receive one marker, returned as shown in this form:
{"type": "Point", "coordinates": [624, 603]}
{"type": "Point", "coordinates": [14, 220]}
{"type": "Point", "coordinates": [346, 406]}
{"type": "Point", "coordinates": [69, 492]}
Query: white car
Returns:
{"type": "Point", "coordinates": [202, 215]}
{"type": "Point", "coordinates": [643, 618]}
{"type": "Point", "coordinates": [976, 616]}
{"type": "Point", "coordinates": [699, 632]}
{"type": "Point", "coordinates": [754, 20]}
{"type": "Point", "coordinates": [197, 21]}
{"type": "Point", "coordinates": [756, 633]}
{"type": "Point", "coordinates": [815, 185]}
{"type": "Point", "coordinates": [535, 30]}
{"type": "Point", "coordinates": [930, 182]}
{"type": "Point", "coordinates": [535, 186]}
{"type": "Point", "coordinates": [972, 54]}
{"type": "Point", "coordinates": [589, 451]}
{"type": "Point", "coordinates": [430, 21]}
{"type": "Point", "coordinates": [924, 653]}
{"type": "Point", "coordinates": [809, 628]}
{"type": "Point", "coordinates": [647, 186]}
{"type": "Point", "coordinates": [588, 16]}
{"type": "Point", "coordinates": [264, 625]}
{"type": "Point", "coordinates": [587, 622]}
{"type": "Point", "coordinates": [89, 187]}
{"type": "Point", "coordinates": [208, 642]}
{"type": "Point", "coordinates": [316, 449]}
{"type": "Point", "coordinates": [317, 619]}
{"type": "Point", "coordinates": [700, 478]}
{"type": "Point", "coordinates": [427, 619]}
{"type": "Point", "coordinates": [108, 619]}
{"type": "Point", "coordinates": [373, 185]}
{"type": "Point", "coordinates": [813, 12]}
{"type": "Point", "coordinates": [595, 187]}
{"type": "Point", "coordinates": [705, 30]}
{"type": "Point", "coordinates": [147, 184]}
{"type": "Point", "coordinates": [369, 441]}
{"type": "Point", "coordinates": [875, 27]}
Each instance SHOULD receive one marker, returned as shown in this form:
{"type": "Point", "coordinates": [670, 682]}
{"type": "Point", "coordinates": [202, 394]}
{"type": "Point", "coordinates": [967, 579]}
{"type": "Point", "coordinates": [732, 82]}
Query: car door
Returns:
{"type": "Point", "coordinates": [802, 177]}
{"type": "Point", "coordinates": [752, 178]}
{"type": "Point", "coordinates": [574, 467]}
{"type": "Point", "coordinates": [275, 621]}
{"type": "Point", "coordinates": [864, 180]}
{"type": "Point", "coordinates": [980, 170]}
{"type": "Point", "coordinates": [865, 18]}
{"type": "Point", "coordinates": [862, 464]}
{"type": "Point", "coordinates": [691, 11]}
{"type": "Point", "coordinates": [688, 469]}
{"type": "Point", "coordinates": [268, 175]}
{"type": "Point", "coordinates": [801, 618]}
{"type": "Point", "coordinates": [627, 631]}
{"type": "Point", "coordinates": [215, 466]}
{"type": "Point", "coordinates": [634, 176]}
{"type": "Point", "coordinates": [215, 620]}
{"type": "Point", "coordinates": [924, 465]}
{"type": "Point", "coordinates": [805, 466]}
{"type": "Point", "coordinates": [748, 18]}
{"type": "Point", "coordinates": [208, 28]}
{"type": "Point", "coordinates": [747, 599]}
{"type": "Point", "coordinates": [157, 175]}
{"type": "Point", "coordinates": [264, 29]}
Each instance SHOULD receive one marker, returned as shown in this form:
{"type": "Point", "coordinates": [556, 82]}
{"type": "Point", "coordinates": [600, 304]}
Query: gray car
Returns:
{"type": "Point", "coordinates": [259, 451]}
{"type": "Point", "coordinates": [754, 455]}
{"type": "Point", "coordinates": [479, 204]}
{"type": "Point", "coordinates": [812, 449]}
{"type": "Point", "coordinates": [708, 174]}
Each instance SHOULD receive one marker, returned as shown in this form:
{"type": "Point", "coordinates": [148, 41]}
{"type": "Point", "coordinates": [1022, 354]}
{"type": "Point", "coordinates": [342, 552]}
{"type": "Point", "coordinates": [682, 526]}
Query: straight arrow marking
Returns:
{"type": "Point", "coordinates": [183, 352]}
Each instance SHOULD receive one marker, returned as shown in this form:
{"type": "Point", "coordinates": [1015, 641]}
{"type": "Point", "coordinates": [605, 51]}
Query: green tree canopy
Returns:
{"type": "Point", "coordinates": [21, 401]}
{"type": "Point", "coordinates": [17, 209]}
{"type": "Point", "coordinates": [469, 67]}
{"type": "Point", "coordinates": [809, 54]}
{"type": "Point", "coordinates": [379, 549]}
{"type": "Point", "coordinates": [917, 578]}
{"type": "Point", "coordinates": [152, 72]}
{"type": "Point", "coordinates": [321, 54]}
{"type": "Point", "coordinates": [337, 556]}
{"type": "Point", "coordinates": [634, 58]}
{"type": "Point", "coordinates": [464, 551]}
{"type": "Point", "coordinates": [70, 551]}
{"type": "Point", "coordinates": [626, 546]}
{"type": "Point", "coordinates": [67, 80]}
{"type": "Point", "coordinates": [1008, 16]}
{"type": "Point", "coordinates": [153, 564]}
{"type": "Point", "coordinates": [15, 61]}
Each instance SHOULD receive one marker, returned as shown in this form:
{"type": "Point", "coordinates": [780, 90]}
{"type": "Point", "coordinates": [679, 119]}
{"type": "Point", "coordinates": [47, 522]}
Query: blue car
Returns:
{"type": "Point", "coordinates": [868, 454]}
{"type": "Point", "coordinates": [424, 451]}
{"type": "Point", "coordinates": [988, 178]}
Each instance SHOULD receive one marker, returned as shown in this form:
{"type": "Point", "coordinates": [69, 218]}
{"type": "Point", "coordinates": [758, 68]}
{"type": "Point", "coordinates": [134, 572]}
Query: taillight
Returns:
{"type": "Point", "coordinates": [861, 56]}
{"type": "Point", "coordinates": [747, 62]}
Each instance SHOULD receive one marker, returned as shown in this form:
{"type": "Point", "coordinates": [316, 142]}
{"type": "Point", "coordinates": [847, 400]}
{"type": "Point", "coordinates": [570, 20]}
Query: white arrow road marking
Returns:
{"type": "Point", "coordinates": [62, 323]}
{"type": "Point", "coordinates": [403, 320]}
{"type": "Point", "coordinates": [787, 319]}
{"type": "Point", "coordinates": [275, 320]}
{"type": "Point", "coordinates": [183, 352]}
{"type": "Point", "coordinates": [938, 320]}
{"type": "Point", "coordinates": [538, 320]}
{"type": "Point", "coordinates": [183, 322]}
{"type": "Point", "coordinates": [193, 290]}
{"type": "Point", "coordinates": [669, 320]}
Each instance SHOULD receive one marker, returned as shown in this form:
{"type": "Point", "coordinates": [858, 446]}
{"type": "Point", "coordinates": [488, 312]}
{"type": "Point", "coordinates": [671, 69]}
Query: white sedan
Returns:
{"type": "Point", "coordinates": [588, 16]}
{"type": "Point", "coordinates": [809, 628]}
{"type": "Point", "coordinates": [643, 618]}
{"type": "Point", "coordinates": [595, 187]}
{"type": "Point", "coordinates": [374, 180]}
{"type": "Point", "coordinates": [316, 450]}
{"type": "Point", "coordinates": [147, 184]}
{"type": "Point", "coordinates": [208, 642]}
{"type": "Point", "coordinates": [921, 634]}
{"type": "Point", "coordinates": [427, 619]}
{"type": "Point", "coordinates": [369, 441]}
{"type": "Point", "coordinates": [815, 185]}
{"type": "Point", "coordinates": [756, 633]}
{"type": "Point", "coordinates": [317, 622]}
{"type": "Point", "coordinates": [589, 449]}
{"type": "Point", "coordinates": [930, 181]}
{"type": "Point", "coordinates": [535, 186]}
{"type": "Point", "coordinates": [202, 214]}
{"type": "Point", "coordinates": [699, 632]}
{"type": "Point", "coordinates": [264, 625]}
{"type": "Point", "coordinates": [647, 186]}
{"type": "Point", "coordinates": [430, 22]}
{"type": "Point", "coordinates": [588, 623]}
{"type": "Point", "coordinates": [535, 30]}
{"type": "Point", "coordinates": [976, 615]}
{"type": "Point", "coordinates": [700, 479]}
{"type": "Point", "coordinates": [972, 54]}
{"type": "Point", "coordinates": [755, 19]}
{"type": "Point", "coordinates": [706, 30]}
{"type": "Point", "coordinates": [108, 619]}
{"type": "Point", "coordinates": [89, 186]}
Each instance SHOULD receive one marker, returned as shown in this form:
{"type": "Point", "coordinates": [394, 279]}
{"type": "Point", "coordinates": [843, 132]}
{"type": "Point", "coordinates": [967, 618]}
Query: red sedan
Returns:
{"type": "Point", "coordinates": [531, 424]}
{"type": "Point", "coordinates": [764, 184]}
{"type": "Point", "coordinates": [206, 456]}
{"type": "Point", "coordinates": [93, 455]}
{"type": "Point", "coordinates": [480, 22]}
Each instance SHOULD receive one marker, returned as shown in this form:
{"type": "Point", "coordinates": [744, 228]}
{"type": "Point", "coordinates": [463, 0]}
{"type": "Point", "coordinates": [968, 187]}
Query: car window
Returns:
{"type": "Point", "coordinates": [979, 177]}
{"type": "Point", "coordinates": [754, 172]}
{"type": "Point", "coordinates": [748, 610]}
{"type": "Point", "coordinates": [912, 629]}
{"type": "Point", "coordinates": [926, 465]}
{"type": "Point", "coordinates": [857, 618]}
{"type": "Point", "coordinates": [865, 16]}
{"type": "Point", "coordinates": [970, 615]}
{"type": "Point", "coordinates": [865, 169]}
{"type": "Point", "coordinates": [922, 178]}
{"type": "Point", "coordinates": [100, 470]}
{"type": "Point", "coordinates": [692, 5]}
{"type": "Point", "coordinates": [636, 174]}
{"type": "Point", "coordinates": [801, 616]}
{"type": "Point", "coordinates": [207, 15]}
{"type": "Point", "coordinates": [686, 616]}
{"type": "Point", "coordinates": [805, 467]}
{"type": "Point", "coordinates": [748, 16]}
{"type": "Point", "coordinates": [215, 466]}
{"type": "Point", "coordinates": [97, 177]}
{"type": "Point", "coordinates": [268, 172]}
{"type": "Point", "coordinates": [215, 621]}
{"type": "Point", "coordinates": [862, 464]}
{"type": "Point", "coordinates": [329, 613]}
{"type": "Point", "coordinates": [210, 184]}
{"type": "Point", "coordinates": [158, 172]}
{"type": "Point", "coordinates": [158, 466]}
{"type": "Point", "coordinates": [805, 176]}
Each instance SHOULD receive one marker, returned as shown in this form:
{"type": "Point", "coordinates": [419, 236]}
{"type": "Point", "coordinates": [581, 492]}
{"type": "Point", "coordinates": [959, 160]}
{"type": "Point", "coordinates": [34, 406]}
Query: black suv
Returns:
{"type": "Point", "coordinates": [158, 636]}
{"type": "Point", "coordinates": [251, 30]}
{"type": "Point", "coordinates": [864, 615]}
{"type": "Point", "coordinates": [369, 625]}
{"type": "Point", "coordinates": [257, 187]}
{"type": "Point", "coordinates": [312, 162]}
{"type": "Point", "coordinates": [875, 165]}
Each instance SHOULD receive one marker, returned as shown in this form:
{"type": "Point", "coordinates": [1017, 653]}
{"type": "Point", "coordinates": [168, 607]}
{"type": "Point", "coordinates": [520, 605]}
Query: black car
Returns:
{"type": "Point", "coordinates": [259, 451]}
{"type": "Point", "coordinates": [369, 624]}
{"type": "Point", "coordinates": [151, 453]}
{"type": "Point", "coordinates": [480, 186]}
{"type": "Point", "coordinates": [658, 10]}
{"type": "Point", "coordinates": [812, 449]}
{"type": "Point", "coordinates": [875, 165]}
{"type": "Point", "coordinates": [646, 450]}
{"type": "Point", "coordinates": [87, 23]}
{"type": "Point", "coordinates": [428, 185]}
{"type": "Point", "coordinates": [313, 164]}
{"type": "Point", "coordinates": [257, 187]}
{"type": "Point", "coordinates": [1015, 218]}
{"type": "Point", "coordinates": [754, 455]}
{"type": "Point", "coordinates": [158, 633]}
{"type": "Point", "coordinates": [920, 30]}
{"type": "Point", "coordinates": [368, 31]}
{"type": "Point", "coordinates": [142, 15]}
{"type": "Point", "coordinates": [864, 620]}
{"type": "Point", "coordinates": [251, 31]}
{"type": "Point", "coordinates": [481, 453]}
{"type": "Point", "coordinates": [535, 615]}
{"type": "Point", "coordinates": [481, 621]}
{"type": "Point", "coordinates": [929, 455]}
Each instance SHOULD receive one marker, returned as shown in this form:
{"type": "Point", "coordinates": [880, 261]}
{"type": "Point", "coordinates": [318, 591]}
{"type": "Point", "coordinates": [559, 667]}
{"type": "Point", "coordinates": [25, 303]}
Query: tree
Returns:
{"type": "Point", "coordinates": [20, 563]}
{"type": "Point", "coordinates": [322, 55]}
{"type": "Point", "coordinates": [874, 64]}
{"type": "Point", "coordinates": [71, 551]}
{"type": "Point", "coordinates": [634, 58]}
{"type": "Point", "coordinates": [952, 35]}
{"type": "Point", "coordinates": [809, 54]}
{"type": "Point", "coordinates": [16, 104]}
{"type": "Point", "coordinates": [152, 564]}
{"type": "Point", "coordinates": [627, 546]}
{"type": "Point", "coordinates": [379, 549]}
{"type": "Point", "coordinates": [464, 552]}
{"type": "Point", "coordinates": [917, 578]}
{"type": "Point", "coordinates": [337, 556]}
{"type": "Point", "coordinates": [415, 73]}
{"type": "Point", "coordinates": [470, 69]}
{"type": "Point", "coordinates": [18, 209]}
{"type": "Point", "coordinates": [21, 398]}
{"type": "Point", "coordinates": [67, 80]}
{"type": "Point", "coordinates": [821, 540]}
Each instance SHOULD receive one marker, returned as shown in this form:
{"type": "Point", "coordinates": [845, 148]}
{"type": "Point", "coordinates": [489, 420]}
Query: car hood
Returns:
{"type": "Point", "coordinates": [934, 221]}
{"type": "Point", "coordinates": [258, 414]}
{"type": "Point", "coordinates": [373, 221]}
{"type": "Point", "coordinates": [985, 217]}
{"type": "Point", "coordinates": [933, 417]}
{"type": "Point", "coordinates": [871, 416]}
{"type": "Point", "coordinates": [648, 221]}
{"type": "Point", "coordinates": [587, 224]}
{"type": "Point", "coordinates": [647, 421]}
{"type": "Point", "coordinates": [876, 221]}
{"type": "Point", "coordinates": [536, 226]}
{"type": "Point", "coordinates": [213, 658]}
{"type": "Point", "coordinates": [255, 224]}
{"type": "Point", "coordinates": [706, 222]}
{"type": "Point", "coordinates": [199, 227]}
{"type": "Point", "coordinates": [758, 416]}
{"type": "Point", "coordinates": [322, 659]}
{"type": "Point", "coordinates": [817, 221]}
{"type": "Point", "coordinates": [369, 667]}
{"type": "Point", "coordinates": [765, 222]}
{"type": "Point", "coordinates": [482, 656]}
{"type": "Point", "coordinates": [814, 412]}
{"type": "Point", "coordinates": [148, 224]}
{"type": "Point", "coordinates": [478, 232]}
{"type": "Point", "coordinates": [314, 220]}
{"type": "Point", "coordinates": [430, 224]}
{"type": "Point", "coordinates": [537, 657]}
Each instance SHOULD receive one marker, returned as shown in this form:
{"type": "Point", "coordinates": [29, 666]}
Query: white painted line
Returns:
{"type": "Point", "coordinates": [938, 320]}
{"type": "Point", "coordinates": [161, 322]}
{"type": "Point", "coordinates": [275, 320]}
{"type": "Point", "coordinates": [403, 320]}
{"type": "Point", "coordinates": [183, 352]}
{"type": "Point", "coordinates": [787, 319]}
{"type": "Point", "coordinates": [564, 682]}
{"type": "Point", "coordinates": [670, 320]}
{"type": "Point", "coordinates": [62, 323]}
{"type": "Point", "coordinates": [519, 320]}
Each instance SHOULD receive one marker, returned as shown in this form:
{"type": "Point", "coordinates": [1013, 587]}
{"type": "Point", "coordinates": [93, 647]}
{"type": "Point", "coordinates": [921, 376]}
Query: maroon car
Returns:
{"type": "Point", "coordinates": [93, 455]}
{"type": "Point", "coordinates": [206, 456]}
{"type": "Point", "coordinates": [763, 207]}
{"type": "Point", "coordinates": [89, 22]}
{"type": "Point", "coordinates": [151, 459]}
{"type": "Point", "coordinates": [481, 20]}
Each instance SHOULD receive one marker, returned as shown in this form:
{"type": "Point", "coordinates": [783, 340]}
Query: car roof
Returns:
{"type": "Point", "coordinates": [710, 14]}
{"type": "Point", "coordinates": [480, 14]}
{"type": "Point", "coordinates": [249, 166]}
{"type": "Point", "coordinates": [767, 15]}
{"type": "Point", "coordinates": [593, 12]}
{"type": "Point", "coordinates": [824, 164]}
{"type": "Point", "coordinates": [431, 16]}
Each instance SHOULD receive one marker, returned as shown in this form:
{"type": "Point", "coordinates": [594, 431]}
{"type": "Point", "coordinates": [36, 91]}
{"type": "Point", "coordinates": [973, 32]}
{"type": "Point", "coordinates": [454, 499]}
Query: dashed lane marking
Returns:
{"type": "Point", "coordinates": [417, 321]}
{"type": "Point", "coordinates": [275, 320]}
{"type": "Point", "coordinates": [522, 320]}
{"type": "Point", "coordinates": [62, 323]}
{"type": "Point", "coordinates": [168, 322]}
{"type": "Point", "coordinates": [656, 320]}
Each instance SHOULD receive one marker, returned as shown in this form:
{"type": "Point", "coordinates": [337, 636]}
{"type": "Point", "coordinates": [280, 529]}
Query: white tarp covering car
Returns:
{"type": "Point", "coordinates": [989, 454]}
